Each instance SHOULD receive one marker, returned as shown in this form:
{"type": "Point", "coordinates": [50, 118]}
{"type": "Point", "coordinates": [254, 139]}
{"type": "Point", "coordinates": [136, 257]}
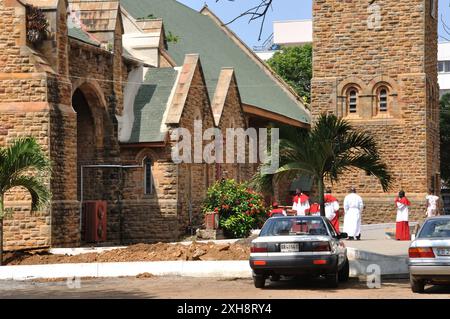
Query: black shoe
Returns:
{"type": "Point", "coordinates": [351, 238]}
{"type": "Point", "coordinates": [358, 237]}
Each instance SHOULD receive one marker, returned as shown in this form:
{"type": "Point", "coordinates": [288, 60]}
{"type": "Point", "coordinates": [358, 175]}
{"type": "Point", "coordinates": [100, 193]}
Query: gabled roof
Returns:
{"type": "Point", "coordinates": [226, 81]}
{"type": "Point", "coordinates": [79, 34]}
{"type": "Point", "coordinates": [97, 15]}
{"type": "Point", "coordinates": [182, 88]}
{"type": "Point", "coordinates": [218, 48]}
{"type": "Point", "coordinates": [151, 104]}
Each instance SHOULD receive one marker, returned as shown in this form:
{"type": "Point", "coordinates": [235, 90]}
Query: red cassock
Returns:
{"type": "Point", "coordinates": [335, 221]}
{"type": "Point", "coordinates": [302, 198]}
{"type": "Point", "coordinates": [276, 211]}
{"type": "Point", "coordinates": [402, 226]}
{"type": "Point", "coordinates": [314, 209]}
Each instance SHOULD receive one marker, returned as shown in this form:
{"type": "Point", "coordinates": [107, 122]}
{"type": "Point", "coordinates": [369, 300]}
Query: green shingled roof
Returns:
{"type": "Point", "coordinates": [198, 33]}
{"type": "Point", "coordinates": [79, 34]}
{"type": "Point", "coordinates": [150, 105]}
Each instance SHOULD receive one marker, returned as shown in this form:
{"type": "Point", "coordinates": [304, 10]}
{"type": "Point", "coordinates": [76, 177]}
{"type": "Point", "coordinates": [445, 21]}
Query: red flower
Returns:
{"type": "Point", "coordinates": [216, 209]}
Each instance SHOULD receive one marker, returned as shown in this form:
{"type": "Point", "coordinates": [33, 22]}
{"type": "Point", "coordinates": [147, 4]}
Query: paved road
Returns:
{"type": "Point", "coordinates": [199, 288]}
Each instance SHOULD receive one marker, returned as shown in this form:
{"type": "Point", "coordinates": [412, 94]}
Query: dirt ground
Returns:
{"type": "Point", "coordinates": [147, 286]}
{"type": "Point", "coordinates": [139, 252]}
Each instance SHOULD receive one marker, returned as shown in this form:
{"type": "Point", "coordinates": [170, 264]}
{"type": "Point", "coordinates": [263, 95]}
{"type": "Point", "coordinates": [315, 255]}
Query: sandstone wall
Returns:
{"type": "Point", "coordinates": [397, 53]}
{"type": "Point", "coordinates": [23, 112]}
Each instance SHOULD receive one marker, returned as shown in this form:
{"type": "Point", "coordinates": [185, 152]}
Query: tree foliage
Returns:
{"type": "Point", "coordinates": [294, 65]}
{"type": "Point", "coordinates": [23, 164]}
{"type": "Point", "coordinates": [445, 138]}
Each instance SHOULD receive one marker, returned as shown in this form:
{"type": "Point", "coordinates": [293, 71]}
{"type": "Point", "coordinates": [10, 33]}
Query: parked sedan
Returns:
{"type": "Point", "coordinates": [429, 254]}
{"type": "Point", "coordinates": [297, 245]}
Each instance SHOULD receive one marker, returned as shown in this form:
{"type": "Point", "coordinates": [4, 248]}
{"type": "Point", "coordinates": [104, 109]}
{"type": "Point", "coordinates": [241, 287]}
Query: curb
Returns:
{"type": "Point", "coordinates": [362, 264]}
{"type": "Point", "coordinates": [221, 269]}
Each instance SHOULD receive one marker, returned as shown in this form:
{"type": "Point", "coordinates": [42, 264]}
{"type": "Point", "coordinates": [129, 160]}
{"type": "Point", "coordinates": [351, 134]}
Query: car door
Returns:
{"type": "Point", "coordinates": [337, 243]}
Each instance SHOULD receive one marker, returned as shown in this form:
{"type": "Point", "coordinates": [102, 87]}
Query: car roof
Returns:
{"type": "Point", "coordinates": [438, 217]}
{"type": "Point", "coordinates": [298, 217]}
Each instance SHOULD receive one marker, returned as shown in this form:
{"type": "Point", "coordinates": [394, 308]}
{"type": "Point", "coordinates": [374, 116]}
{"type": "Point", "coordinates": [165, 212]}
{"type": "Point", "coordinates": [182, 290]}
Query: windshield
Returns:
{"type": "Point", "coordinates": [294, 227]}
{"type": "Point", "coordinates": [435, 228]}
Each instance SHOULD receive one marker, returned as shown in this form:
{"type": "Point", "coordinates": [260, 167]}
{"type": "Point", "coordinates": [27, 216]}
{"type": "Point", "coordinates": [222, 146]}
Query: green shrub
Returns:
{"type": "Point", "coordinates": [240, 209]}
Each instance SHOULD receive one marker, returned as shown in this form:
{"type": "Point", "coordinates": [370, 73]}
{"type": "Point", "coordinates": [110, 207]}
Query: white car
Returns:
{"type": "Point", "coordinates": [429, 254]}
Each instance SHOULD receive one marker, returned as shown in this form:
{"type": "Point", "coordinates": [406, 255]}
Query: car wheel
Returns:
{"type": "Point", "coordinates": [275, 278]}
{"type": "Point", "coordinates": [259, 281]}
{"type": "Point", "coordinates": [417, 285]}
{"type": "Point", "coordinates": [332, 280]}
{"type": "Point", "coordinates": [344, 273]}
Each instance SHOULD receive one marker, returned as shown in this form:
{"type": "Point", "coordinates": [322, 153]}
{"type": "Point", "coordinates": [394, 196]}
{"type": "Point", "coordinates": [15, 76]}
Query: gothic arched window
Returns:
{"type": "Point", "coordinates": [383, 99]}
{"type": "Point", "coordinates": [352, 100]}
{"type": "Point", "coordinates": [148, 176]}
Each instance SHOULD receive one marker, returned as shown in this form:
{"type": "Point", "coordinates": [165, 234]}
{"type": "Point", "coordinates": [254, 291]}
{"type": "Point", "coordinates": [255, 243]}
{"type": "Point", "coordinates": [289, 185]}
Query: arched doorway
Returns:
{"type": "Point", "coordinates": [86, 137]}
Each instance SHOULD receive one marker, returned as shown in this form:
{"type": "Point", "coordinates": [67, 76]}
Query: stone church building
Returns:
{"type": "Point", "coordinates": [108, 82]}
{"type": "Point", "coordinates": [102, 85]}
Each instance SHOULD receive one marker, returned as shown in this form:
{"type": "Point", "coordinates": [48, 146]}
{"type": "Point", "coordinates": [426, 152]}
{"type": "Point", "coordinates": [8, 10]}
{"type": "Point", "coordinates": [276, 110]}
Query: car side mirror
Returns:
{"type": "Point", "coordinates": [343, 236]}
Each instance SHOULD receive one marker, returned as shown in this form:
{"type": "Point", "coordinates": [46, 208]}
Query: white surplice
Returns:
{"type": "Point", "coordinates": [353, 206]}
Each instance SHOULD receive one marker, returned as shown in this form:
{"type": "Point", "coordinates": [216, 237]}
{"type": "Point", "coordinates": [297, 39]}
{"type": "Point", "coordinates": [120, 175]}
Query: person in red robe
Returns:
{"type": "Point", "coordinates": [301, 203]}
{"type": "Point", "coordinates": [314, 210]}
{"type": "Point", "coordinates": [332, 209]}
{"type": "Point", "coordinates": [402, 223]}
{"type": "Point", "coordinates": [276, 211]}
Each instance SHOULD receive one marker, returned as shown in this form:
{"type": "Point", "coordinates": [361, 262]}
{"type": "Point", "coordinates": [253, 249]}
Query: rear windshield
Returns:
{"type": "Point", "coordinates": [435, 228]}
{"type": "Point", "coordinates": [294, 227]}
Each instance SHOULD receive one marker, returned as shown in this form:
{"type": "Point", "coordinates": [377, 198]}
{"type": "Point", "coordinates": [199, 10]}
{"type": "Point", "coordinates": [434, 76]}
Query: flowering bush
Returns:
{"type": "Point", "coordinates": [240, 209]}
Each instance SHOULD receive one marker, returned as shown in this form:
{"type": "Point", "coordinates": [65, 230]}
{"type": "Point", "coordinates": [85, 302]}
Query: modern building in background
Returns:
{"type": "Point", "coordinates": [299, 32]}
{"type": "Point", "coordinates": [285, 33]}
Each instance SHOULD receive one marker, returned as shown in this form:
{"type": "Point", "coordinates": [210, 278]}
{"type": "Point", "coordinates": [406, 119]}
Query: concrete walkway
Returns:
{"type": "Point", "coordinates": [375, 240]}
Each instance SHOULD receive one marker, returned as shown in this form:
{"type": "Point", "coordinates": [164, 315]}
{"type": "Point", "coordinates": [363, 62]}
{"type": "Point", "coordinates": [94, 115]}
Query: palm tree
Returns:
{"type": "Point", "coordinates": [329, 150]}
{"type": "Point", "coordinates": [21, 165]}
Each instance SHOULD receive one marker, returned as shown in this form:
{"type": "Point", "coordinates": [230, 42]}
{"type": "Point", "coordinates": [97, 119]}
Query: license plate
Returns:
{"type": "Point", "coordinates": [443, 251]}
{"type": "Point", "coordinates": [289, 248]}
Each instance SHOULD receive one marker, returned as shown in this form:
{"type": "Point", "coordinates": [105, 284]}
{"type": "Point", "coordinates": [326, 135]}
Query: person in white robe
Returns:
{"type": "Point", "coordinates": [353, 206]}
{"type": "Point", "coordinates": [432, 204]}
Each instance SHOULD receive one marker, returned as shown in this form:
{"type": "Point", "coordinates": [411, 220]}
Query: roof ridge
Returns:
{"type": "Point", "coordinates": [218, 101]}
{"type": "Point", "coordinates": [191, 61]}
{"type": "Point", "coordinates": [288, 89]}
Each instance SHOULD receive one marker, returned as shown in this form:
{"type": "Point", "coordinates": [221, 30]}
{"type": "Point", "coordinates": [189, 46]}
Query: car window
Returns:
{"type": "Point", "coordinates": [294, 227]}
{"type": "Point", "coordinates": [435, 228]}
{"type": "Point", "coordinates": [331, 229]}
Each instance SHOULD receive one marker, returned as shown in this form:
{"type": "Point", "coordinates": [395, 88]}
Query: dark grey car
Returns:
{"type": "Point", "coordinates": [299, 245]}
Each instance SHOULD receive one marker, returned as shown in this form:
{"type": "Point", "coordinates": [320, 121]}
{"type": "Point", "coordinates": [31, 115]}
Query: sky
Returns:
{"type": "Point", "coordinates": [282, 10]}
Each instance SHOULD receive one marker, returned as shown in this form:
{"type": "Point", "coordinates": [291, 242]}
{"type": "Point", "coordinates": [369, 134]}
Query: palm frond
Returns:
{"type": "Point", "coordinates": [40, 194]}
{"type": "Point", "coordinates": [372, 165]}
{"type": "Point", "coordinates": [330, 149]}
{"type": "Point", "coordinates": [22, 155]}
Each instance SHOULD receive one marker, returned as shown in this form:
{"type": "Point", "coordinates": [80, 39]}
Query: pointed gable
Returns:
{"type": "Point", "coordinates": [190, 66]}
{"type": "Point", "coordinates": [223, 93]}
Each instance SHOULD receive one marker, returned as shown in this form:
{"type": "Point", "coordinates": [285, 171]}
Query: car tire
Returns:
{"type": "Point", "coordinates": [259, 281]}
{"type": "Point", "coordinates": [275, 278]}
{"type": "Point", "coordinates": [344, 273]}
{"type": "Point", "coordinates": [417, 285]}
{"type": "Point", "coordinates": [332, 280]}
